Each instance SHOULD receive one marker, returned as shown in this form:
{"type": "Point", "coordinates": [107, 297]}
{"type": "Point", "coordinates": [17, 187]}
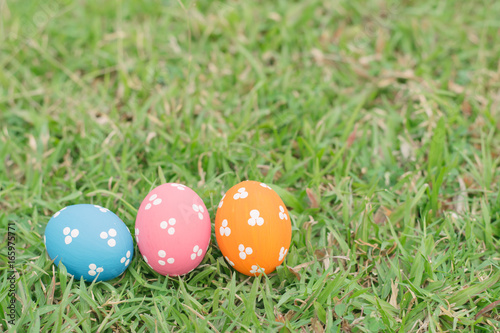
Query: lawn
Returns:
{"type": "Point", "coordinates": [377, 122]}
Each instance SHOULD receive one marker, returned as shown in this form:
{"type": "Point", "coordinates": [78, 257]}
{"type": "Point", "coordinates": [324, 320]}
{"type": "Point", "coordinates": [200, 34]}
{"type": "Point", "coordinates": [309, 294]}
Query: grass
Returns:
{"type": "Point", "coordinates": [378, 123]}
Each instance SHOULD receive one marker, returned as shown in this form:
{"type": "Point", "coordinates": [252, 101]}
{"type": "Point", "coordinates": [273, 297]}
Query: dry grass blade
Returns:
{"type": "Point", "coordinates": [201, 317]}
{"type": "Point", "coordinates": [312, 198]}
{"type": "Point", "coordinates": [295, 270]}
{"type": "Point", "coordinates": [487, 308]}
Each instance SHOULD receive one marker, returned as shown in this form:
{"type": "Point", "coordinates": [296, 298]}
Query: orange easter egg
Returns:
{"type": "Point", "coordinates": [253, 228]}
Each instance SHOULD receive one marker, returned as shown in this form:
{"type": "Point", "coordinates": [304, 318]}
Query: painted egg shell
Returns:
{"type": "Point", "coordinates": [91, 241]}
{"type": "Point", "coordinates": [253, 228]}
{"type": "Point", "coordinates": [172, 229]}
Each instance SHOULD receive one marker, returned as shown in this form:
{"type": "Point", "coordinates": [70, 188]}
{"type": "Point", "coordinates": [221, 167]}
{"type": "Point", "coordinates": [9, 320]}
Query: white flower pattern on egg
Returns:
{"type": "Point", "coordinates": [126, 259]}
{"type": "Point", "coordinates": [265, 186]}
{"type": "Point", "coordinates": [70, 234]}
{"type": "Point", "coordinates": [93, 269]}
{"type": "Point", "coordinates": [283, 252]}
{"type": "Point", "coordinates": [255, 269]}
{"type": "Point", "coordinates": [244, 251]}
{"type": "Point", "coordinates": [222, 201]}
{"type": "Point", "coordinates": [196, 252]}
{"type": "Point", "coordinates": [282, 214]}
{"type": "Point", "coordinates": [146, 260]}
{"type": "Point", "coordinates": [255, 218]}
{"type": "Point", "coordinates": [59, 212]}
{"type": "Point", "coordinates": [199, 209]}
{"type": "Point", "coordinates": [165, 225]}
{"type": "Point", "coordinates": [229, 261]}
{"type": "Point", "coordinates": [155, 201]}
{"type": "Point", "coordinates": [137, 234]}
{"type": "Point", "coordinates": [179, 186]}
{"type": "Point", "coordinates": [242, 194]}
{"type": "Point", "coordinates": [111, 233]}
{"type": "Point", "coordinates": [102, 209]}
{"type": "Point", "coordinates": [225, 230]}
{"type": "Point", "coordinates": [163, 254]}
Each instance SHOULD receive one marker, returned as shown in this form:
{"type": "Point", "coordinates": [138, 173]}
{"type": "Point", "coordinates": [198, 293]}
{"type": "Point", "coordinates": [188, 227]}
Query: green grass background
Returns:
{"type": "Point", "coordinates": [376, 121]}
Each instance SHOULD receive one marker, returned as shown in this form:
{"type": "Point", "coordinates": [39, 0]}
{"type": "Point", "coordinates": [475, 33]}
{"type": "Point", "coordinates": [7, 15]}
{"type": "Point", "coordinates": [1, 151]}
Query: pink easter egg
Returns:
{"type": "Point", "coordinates": [172, 229]}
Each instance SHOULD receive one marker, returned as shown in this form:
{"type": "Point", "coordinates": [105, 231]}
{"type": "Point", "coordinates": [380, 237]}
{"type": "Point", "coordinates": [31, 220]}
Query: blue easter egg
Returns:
{"type": "Point", "coordinates": [91, 241]}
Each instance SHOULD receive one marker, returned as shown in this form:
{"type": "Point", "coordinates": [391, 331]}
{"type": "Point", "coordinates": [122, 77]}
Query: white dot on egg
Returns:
{"type": "Point", "coordinates": [148, 206]}
{"type": "Point", "coordinates": [145, 259]}
{"type": "Point", "coordinates": [193, 256]}
{"type": "Point", "coordinates": [163, 224]}
{"type": "Point", "coordinates": [200, 251]}
{"type": "Point", "coordinates": [112, 232]}
{"type": "Point", "coordinates": [122, 260]}
{"type": "Point", "coordinates": [111, 242]}
{"type": "Point", "coordinates": [128, 262]}
{"type": "Point", "coordinates": [99, 270]}
{"type": "Point", "coordinates": [104, 235]}
{"type": "Point", "coordinates": [68, 239]}
{"type": "Point", "coordinates": [154, 196]}
{"type": "Point", "coordinates": [92, 273]}
{"type": "Point", "coordinates": [200, 215]}
{"type": "Point", "coordinates": [171, 221]}
{"type": "Point", "coordinates": [171, 231]}
{"type": "Point", "coordinates": [157, 202]}
{"type": "Point", "coordinates": [92, 267]}
{"type": "Point", "coordinates": [66, 230]}
{"type": "Point", "coordinates": [195, 249]}
{"type": "Point", "coordinates": [75, 233]}
{"type": "Point", "coordinates": [162, 253]}
{"type": "Point", "coordinates": [201, 208]}
{"type": "Point", "coordinates": [170, 260]}
{"type": "Point", "coordinates": [128, 254]}
{"type": "Point", "coordinates": [161, 262]}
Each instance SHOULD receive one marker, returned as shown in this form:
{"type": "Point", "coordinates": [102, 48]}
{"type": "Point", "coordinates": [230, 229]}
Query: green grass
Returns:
{"type": "Point", "coordinates": [378, 122]}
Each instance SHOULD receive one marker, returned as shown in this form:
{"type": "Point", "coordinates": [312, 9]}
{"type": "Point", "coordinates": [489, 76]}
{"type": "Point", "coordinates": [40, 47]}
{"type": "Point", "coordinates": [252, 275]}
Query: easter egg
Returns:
{"type": "Point", "coordinates": [253, 228]}
{"type": "Point", "coordinates": [172, 229]}
{"type": "Point", "coordinates": [91, 241]}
